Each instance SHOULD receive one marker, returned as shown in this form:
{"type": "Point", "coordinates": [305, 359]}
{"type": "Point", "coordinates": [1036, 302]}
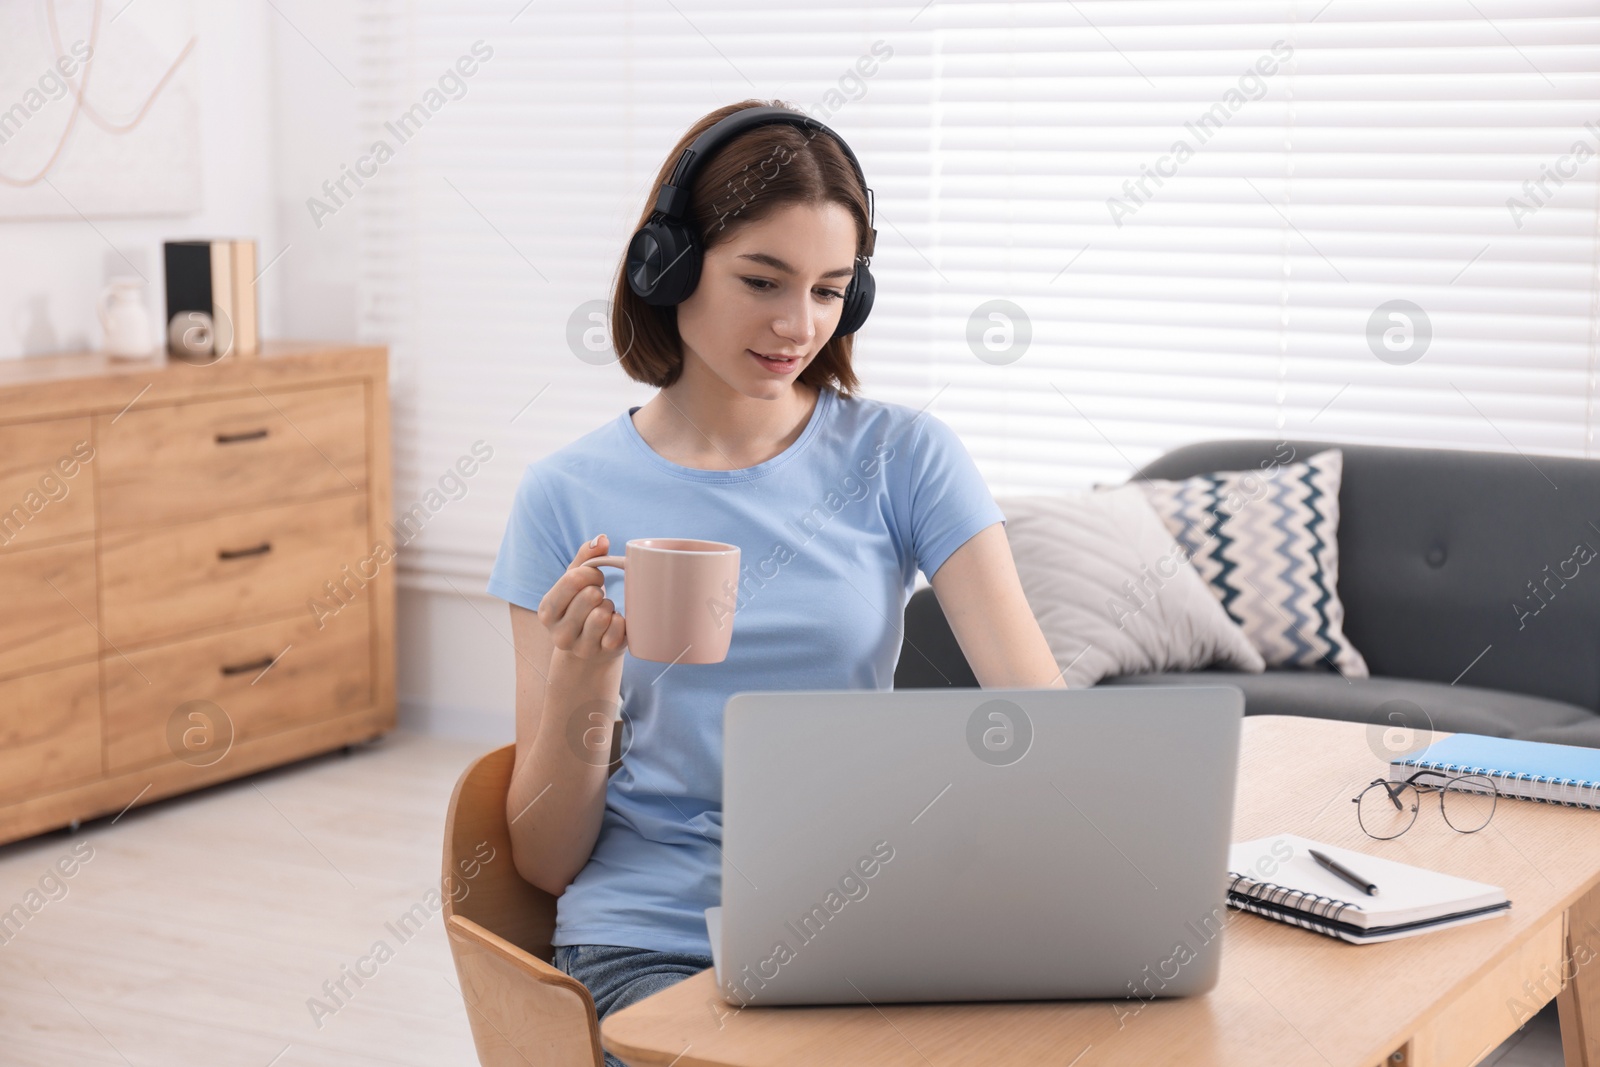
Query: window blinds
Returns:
{"type": "Point", "coordinates": [1105, 228]}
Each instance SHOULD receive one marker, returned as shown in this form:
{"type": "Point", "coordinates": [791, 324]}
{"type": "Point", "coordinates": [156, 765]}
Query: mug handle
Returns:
{"type": "Point", "coordinates": [619, 562]}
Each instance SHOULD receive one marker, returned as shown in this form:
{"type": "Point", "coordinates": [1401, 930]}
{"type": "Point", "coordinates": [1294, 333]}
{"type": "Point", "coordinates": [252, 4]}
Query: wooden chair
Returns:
{"type": "Point", "coordinates": [523, 1011]}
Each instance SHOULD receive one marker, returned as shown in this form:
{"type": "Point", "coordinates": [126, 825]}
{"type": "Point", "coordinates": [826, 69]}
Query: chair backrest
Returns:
{"type": "Point", "coordinates": [479, 880]}
{"type": "Point", "coordinates": [521, 1008]}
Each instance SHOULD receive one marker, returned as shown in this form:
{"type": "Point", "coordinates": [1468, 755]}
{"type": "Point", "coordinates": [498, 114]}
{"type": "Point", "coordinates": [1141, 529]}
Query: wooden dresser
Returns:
{"type": "Point", "coordinates": [195, 569]}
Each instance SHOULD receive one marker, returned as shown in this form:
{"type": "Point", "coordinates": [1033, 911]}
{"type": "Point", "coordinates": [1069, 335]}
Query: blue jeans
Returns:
{"type": "Point", "coordinates": [617, 976]}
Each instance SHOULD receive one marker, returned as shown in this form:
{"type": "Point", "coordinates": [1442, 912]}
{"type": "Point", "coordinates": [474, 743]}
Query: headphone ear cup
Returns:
{"type": "Point", "coordinates": [857, 303]}
{"type": "Point", "coordinates": [663, 265]}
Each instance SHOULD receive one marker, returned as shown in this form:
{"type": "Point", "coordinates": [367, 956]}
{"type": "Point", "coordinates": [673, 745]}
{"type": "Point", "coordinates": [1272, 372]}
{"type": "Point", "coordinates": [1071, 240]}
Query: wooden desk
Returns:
{"type": "Point", "coordinates": [1286, 996]}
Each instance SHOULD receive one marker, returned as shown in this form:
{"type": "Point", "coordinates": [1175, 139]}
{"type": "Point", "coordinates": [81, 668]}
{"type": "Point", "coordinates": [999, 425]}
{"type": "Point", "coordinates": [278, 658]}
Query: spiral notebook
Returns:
{"type": "Point", "coordinates": [1529, 770]}
{"type": "Point", "coordinates": [1276, 878]}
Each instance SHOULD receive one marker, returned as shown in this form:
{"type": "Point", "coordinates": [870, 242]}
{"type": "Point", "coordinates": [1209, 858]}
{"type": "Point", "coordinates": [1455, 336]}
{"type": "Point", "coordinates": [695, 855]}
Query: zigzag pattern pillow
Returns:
{"type": "Point", "coordinates": [1267, 544]}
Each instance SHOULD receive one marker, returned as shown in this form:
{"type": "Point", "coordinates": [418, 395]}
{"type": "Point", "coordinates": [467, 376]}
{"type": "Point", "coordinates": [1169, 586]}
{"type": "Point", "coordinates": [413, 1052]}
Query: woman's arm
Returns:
{"type": "Point", "coordinates": [982, 597]}
{"type": "Point", "coordinates": [569, 677]}
{"type": "Point", "coordinates": [556, 800]}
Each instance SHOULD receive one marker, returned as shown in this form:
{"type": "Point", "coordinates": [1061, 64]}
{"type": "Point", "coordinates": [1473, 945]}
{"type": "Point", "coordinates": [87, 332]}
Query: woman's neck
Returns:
{"type": "Point", "coordinates": [705, 429]}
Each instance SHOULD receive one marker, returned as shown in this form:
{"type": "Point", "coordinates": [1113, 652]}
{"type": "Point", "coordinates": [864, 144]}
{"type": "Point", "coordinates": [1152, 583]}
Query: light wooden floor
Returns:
{"type": "Point", "coordinates": [203, 924]}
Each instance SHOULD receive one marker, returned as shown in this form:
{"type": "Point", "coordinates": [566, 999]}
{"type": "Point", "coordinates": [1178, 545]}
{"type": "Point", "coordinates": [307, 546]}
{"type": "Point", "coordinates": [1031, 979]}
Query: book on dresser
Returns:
{"type": "Point", "coordinates": [166, 534]}
{"type": "Point", "coordinates": [1278, 878]}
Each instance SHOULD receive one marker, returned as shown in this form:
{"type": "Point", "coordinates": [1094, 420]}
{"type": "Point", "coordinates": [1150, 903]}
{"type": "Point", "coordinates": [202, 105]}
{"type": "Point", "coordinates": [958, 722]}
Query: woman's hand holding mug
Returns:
{"type": "Point", "coordinates": [581, 619]}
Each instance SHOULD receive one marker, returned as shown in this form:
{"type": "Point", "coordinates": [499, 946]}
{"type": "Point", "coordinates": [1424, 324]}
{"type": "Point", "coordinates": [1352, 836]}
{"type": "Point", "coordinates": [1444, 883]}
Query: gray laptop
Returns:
{"type": "Point", "coordinates": [974, 844]}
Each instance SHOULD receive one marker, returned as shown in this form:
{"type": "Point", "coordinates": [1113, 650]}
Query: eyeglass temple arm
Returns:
{"type": "Point", "coordinates": [1412, 781]}
{"type": "Point", "coordinates": [1392, 789]}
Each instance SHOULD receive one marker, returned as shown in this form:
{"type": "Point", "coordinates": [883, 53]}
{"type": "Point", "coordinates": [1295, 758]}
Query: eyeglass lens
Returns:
{"type": "Point", "coordinates": [1468, 802]}
{"type": "Point", "coordinates": [1387, 809]}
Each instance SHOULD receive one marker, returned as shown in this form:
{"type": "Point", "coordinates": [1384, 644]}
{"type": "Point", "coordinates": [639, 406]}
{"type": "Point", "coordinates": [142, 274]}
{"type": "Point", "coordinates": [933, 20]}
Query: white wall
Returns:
{"type": "Point", "coordinates": [455, 662]}
{"type": "Point", "coordinates": [51, 272]}
{"type": "Point", "coordinates": [315, 51]}
{"type": "Point", "coordinates": [457, 673]}
{"type": "Point", "coordinates": [278, 116]}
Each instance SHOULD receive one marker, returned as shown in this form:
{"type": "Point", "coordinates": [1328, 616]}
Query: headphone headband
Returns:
{"type": "Point", "coordinates": [672, 201]}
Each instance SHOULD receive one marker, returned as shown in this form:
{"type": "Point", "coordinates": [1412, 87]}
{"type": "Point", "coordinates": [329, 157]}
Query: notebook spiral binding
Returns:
{"type": "Point", "coordinates": [1244, 903]}
{"type": "Point", "coordinates": [1578, 785]}
{"type": "Point", "coordinates": [1248, 889]}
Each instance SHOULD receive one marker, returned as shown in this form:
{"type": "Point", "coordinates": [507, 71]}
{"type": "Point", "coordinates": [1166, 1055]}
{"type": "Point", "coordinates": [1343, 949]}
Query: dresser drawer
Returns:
{"type": "Point", "coordinates": [46, 488]}
{"type": "Point", "coordinates": [244, 565]}
{"type": "Point", "coordinates": [318, 674]}
{"type": "Point", "coordinates": [49, 731]}
{"type": "Point", "coordinates": [47, 606]}
{"type": "Point", "coordinates": [187, 461]}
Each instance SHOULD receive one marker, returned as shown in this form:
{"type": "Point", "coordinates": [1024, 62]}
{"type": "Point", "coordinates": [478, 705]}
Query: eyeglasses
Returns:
{"type": "Point", "coordinates": [1387, 809]}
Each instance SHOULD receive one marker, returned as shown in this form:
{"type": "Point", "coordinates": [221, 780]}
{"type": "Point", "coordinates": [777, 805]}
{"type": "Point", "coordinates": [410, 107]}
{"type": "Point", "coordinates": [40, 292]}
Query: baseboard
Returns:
{"type": "Point", "coordinates": [462, 724]}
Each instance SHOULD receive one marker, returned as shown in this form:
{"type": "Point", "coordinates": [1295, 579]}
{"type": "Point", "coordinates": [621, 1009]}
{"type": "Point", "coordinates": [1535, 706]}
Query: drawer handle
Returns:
{"type": "Point", "coordinates": [244, 668]}
{"type": "Point", "coordinates": [232, 438]}
{"type": "Point", "coordinates": [240, 553]}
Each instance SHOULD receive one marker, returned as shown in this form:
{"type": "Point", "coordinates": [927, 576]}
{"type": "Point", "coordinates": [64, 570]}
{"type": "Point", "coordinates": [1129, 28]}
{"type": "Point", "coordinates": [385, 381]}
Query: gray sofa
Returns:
{"type": "Point", "coordinates": [1440, 552]}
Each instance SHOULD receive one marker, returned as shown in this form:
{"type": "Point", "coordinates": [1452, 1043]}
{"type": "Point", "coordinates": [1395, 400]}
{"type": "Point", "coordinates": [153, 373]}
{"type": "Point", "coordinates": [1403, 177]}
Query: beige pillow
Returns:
{"type": "Point", "coordinates": [1113, 592]}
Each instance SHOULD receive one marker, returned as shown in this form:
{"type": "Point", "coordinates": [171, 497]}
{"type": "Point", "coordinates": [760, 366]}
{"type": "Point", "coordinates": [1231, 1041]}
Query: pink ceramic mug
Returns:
{"type": "Point", "coordinates": [678, 596]}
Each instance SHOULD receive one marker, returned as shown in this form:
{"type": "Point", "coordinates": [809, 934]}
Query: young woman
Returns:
{"type": "Point", "coordinates": [756, 438]}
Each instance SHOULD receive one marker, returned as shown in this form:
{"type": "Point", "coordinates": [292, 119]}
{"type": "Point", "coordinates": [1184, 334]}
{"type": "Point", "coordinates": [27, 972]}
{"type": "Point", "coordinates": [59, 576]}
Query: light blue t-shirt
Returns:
{"type": "Point", "coordinates": [831, 533]}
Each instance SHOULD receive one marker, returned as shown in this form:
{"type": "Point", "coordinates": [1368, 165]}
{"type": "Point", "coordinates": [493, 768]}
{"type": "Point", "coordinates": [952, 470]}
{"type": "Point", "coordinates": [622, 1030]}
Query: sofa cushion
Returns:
{"type": "Point", "coordinates": [1455, 565]}
{"type": "Point", "coordinates": [1112, 592]}
{"type": "Point", "coordinates": [1267, 541]}
{"type": "Point", "coordinates": [1586, 732]}
{"type": "Point", "coordinates": [1389, 702]}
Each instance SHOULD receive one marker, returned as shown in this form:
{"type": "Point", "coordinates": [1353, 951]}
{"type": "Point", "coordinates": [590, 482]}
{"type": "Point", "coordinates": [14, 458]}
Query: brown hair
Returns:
{"type": "Point", "coordinates": [816, 171]}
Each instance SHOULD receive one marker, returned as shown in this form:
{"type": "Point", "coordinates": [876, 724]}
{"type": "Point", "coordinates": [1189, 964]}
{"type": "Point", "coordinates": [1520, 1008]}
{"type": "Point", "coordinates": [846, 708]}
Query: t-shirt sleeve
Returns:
{"type": "Point", "coordinates": [949, 500]}
{"type": "Point", "coordinates": [531, 557]}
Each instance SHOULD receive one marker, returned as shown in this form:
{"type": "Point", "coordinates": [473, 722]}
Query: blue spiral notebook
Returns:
{"type": "Point", "coordinates": [1529, 770]}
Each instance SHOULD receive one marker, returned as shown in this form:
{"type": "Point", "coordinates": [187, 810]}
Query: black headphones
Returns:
{"type": "Point", "coordinates": [663, 264]}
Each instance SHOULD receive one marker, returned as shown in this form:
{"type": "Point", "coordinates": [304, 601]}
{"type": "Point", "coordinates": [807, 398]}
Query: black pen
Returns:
{"type": "Point", "coordinates": [1345, 873]}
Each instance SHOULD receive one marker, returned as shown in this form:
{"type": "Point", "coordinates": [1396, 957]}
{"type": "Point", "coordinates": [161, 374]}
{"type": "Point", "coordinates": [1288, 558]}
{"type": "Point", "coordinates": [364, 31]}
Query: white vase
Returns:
{"type": "Point", "coordinates": [124, 318]}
